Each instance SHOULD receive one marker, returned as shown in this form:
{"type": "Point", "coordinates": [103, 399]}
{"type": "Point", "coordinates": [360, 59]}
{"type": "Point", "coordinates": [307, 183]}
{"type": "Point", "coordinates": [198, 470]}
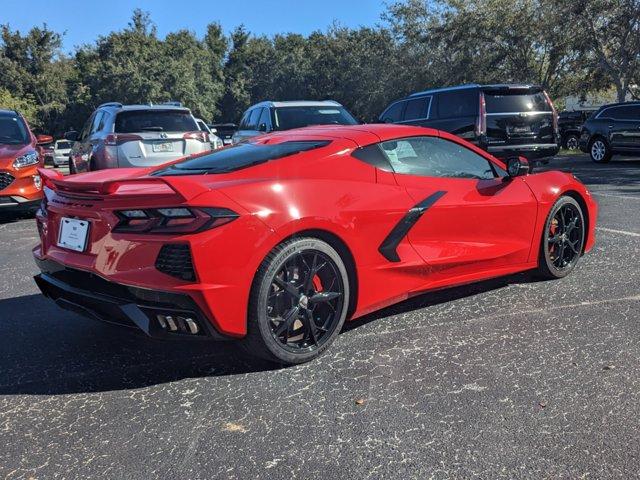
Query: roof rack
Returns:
{"type": "Point", "coordinates": [445, 89]}
{"type": "Point", "coordinates": [111, 104]}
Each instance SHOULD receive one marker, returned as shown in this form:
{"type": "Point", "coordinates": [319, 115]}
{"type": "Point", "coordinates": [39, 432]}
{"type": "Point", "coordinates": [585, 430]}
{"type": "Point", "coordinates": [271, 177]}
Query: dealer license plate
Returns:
{"type": "Point", "coordinates": [73, 234]}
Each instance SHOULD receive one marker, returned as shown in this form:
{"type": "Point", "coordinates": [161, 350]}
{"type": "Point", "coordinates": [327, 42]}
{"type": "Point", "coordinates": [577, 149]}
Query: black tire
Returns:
{"type": "Point", "coordinates": [571, 141]}
{"type": "Point", "coordinates": [72, 167]}
{"type": "Point", "coordinates": [599, 150]}
{"type": "Point", "coordinates": [285, 324]}
{"type": "Point", "coordinates": [562, 240]}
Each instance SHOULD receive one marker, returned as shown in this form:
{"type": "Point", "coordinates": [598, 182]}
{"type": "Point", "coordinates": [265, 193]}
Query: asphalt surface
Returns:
{"type": "Point", "coordinates": [510, 378]}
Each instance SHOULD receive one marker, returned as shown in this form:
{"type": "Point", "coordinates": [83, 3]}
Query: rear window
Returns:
{"type": "Point", "coordinates": [155, 121]}
{"type": "Point", "coordinates": [239, 156]}
{"type": "Point", "coordinates": [287, 118]}
{"type": "Point", "coordinates": [514, 102]}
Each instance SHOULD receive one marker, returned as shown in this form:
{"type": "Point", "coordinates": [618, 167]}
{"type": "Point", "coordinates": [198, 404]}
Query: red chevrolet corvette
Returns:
{"type": "Point", "coordinates": [276, 242]}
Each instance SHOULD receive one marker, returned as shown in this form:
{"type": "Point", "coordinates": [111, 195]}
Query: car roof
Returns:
{"type": "Point", "coordinates": [159, 106]}
{"type": "Point", "coordinates": [297, 103]}
{"type": "Point", "coordinates": [362, 135]}
{"type": "Point", "coordinates": [493, 86]}
{"type": "Point", "coordinates": [635, 102]}
{"type": "Point", "coordinates": [7, 111]}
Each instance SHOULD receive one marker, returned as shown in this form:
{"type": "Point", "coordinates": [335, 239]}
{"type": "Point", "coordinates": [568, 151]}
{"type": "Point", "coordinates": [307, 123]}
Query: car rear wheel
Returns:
{"type": "Point", "coordinates": [599, 150]}
{"type": "Point", "coordinates": [298, 302]}
{"type": "Point", "coordinates": [562, 239]}
{"type": "Point", "coordinates": [571, 142]}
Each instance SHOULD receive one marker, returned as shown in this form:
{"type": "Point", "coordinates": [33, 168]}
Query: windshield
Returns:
{"type": "Point", "coordinates": [13, 130]}
{"type": "Point", "coordinates": [63, 145]}
{"type": "Point", "coordinates": [286, 118]}
{"type": "Point", "coordinates": [515, 102]}
{"type": "Point", "coordinates": [155, 121]}
{"type": "Point", "coordinates": [239, 156]}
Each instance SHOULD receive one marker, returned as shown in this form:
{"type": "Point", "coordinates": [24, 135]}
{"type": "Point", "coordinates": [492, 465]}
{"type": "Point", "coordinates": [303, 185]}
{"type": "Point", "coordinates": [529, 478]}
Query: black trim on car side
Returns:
{"type": "Point", "coordinates": [390, 243]}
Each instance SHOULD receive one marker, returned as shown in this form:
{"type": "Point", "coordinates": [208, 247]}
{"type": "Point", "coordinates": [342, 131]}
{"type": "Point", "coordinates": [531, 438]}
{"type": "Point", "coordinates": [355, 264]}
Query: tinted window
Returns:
{"type": "Point", "coordinates": [155, 121]}
{"type": "Point", "coordinates": [287, 118]}
{"type": "Point", "coordinates": [417, 108]}
{"type": "Point", "coordinates": [95, 125]}
{"type": "Point", "coordinates": [435, 157]}
{"type": "Point", "coordinates": [460, 103]}
{"type": "Point", "coordinates": [252, 122]}
{"type": "Point", "coordinates": [239, 156]}
{"type": "Point", "coordinates": [87, 127]}
{"type": "Point", "coordinates": [627, 112]}
{"type": "Point", "coordinates": [13, 130]}
{"type": "Point", "coordinates": [513, 102]}
{"type": "Point", "coordinates": [245, 120]}
{"type": "Point", "coordinates": [393, 113]}
{"type": "Point", "coordinates": [264, 118]}
{"type": "Point", "coordinates": [63, 145]}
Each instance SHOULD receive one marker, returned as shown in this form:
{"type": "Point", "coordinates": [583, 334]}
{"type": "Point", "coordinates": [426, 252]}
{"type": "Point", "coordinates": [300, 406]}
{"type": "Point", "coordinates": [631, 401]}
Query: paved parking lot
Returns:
{"type": "Point", "coordinates": [508, 378]}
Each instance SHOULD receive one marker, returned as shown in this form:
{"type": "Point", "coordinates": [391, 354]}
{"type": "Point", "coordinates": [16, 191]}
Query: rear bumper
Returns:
{"type": "Point", "coordinates": [94, 297]}
{"type": "Point", "coordinates": [530, 151]}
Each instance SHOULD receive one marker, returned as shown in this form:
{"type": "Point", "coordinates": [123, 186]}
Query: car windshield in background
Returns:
{"type": "Point", "coordinates": [136, 121]}
{"type": "Point", "coordinates": [63, 145]}
{"type": "Point", "coordinates": [239, 156]}
{"type": "Point", "coordinates": [286, 118]}
{"type": "Point", "coordinates": [13, 131]}
{"type": "Point", "coordinates": [515, 102]}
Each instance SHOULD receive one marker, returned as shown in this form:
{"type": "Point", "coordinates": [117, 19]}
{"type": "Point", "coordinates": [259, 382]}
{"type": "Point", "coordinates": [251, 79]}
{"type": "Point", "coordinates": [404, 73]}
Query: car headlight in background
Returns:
{"type": "Point", "coordinates": [26, 160]}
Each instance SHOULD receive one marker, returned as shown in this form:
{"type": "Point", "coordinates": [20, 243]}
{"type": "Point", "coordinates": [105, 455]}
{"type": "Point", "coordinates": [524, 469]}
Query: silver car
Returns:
{"type": "Point", "coordinates": [117, 136]}
{"type": "Point", "coordinates": [265, 117]}
{"type": "Point", "coordinates": [61, 151]}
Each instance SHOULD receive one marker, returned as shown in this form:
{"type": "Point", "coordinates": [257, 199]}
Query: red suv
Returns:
{"type": "Point", "coordinates": [20, 156]}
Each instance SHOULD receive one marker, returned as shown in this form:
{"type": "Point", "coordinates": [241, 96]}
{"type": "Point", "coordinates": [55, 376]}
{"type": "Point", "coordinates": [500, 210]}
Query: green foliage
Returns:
{"type": "Point", "coordinates": [569, 46]}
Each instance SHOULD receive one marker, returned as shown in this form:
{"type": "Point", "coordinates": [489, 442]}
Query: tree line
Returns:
{"type": "Point", "coordinates": [571, 47]}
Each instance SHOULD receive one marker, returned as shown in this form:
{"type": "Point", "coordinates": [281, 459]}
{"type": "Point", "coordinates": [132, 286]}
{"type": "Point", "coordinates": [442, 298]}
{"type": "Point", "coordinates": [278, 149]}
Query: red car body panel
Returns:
{"type": "Point", "coordinates": [478, 229]}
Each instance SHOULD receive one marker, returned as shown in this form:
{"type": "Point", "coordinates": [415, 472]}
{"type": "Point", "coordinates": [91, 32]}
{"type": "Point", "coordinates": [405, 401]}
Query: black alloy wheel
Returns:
{"type": "Point", "coordinates": [563, 239]}
{"type": "Point", "coordinates": [299, 302]}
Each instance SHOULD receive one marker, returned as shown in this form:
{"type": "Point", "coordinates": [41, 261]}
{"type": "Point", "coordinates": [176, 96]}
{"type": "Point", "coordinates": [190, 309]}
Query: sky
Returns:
{"type": "Point", "coordinates": [84, 21]}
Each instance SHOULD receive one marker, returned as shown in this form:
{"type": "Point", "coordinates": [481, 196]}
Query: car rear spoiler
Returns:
{"type": "Point", "coordinates": [133, 186]}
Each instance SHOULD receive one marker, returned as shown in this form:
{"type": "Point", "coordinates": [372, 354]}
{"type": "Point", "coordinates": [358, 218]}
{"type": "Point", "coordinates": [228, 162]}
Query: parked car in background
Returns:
{"type": "Point", "coordinates": [61, 151]}
{"type": "Point", "coordinates": [119, 135]}
{"type": "Point", "coordinates": [20, 156]}
{"type": "Point", "coordinates": [225, 131]}
{"type": "Point", "coordinates": [505, 120]}
{"type": "Point", "coordinates": [613, 129]}
{"type": "Point", "coordinates": [269, 116]}
{"type": "Point", "coordinates": [570, 124]}
{"type": "Point", "coordinates": [47, 153]}
{"type": "Point", "coordinates": [214, 140]}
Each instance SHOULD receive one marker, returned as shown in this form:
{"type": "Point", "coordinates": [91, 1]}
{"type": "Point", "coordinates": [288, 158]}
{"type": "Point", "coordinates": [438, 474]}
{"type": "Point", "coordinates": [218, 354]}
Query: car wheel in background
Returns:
{"type": "Point", "coordinates": [72, 167]}
{"type": "Point", "coordinates": [298, 303]}
{"type": "Point", "coordinates": [562, 239]}
{"type": "Point", "coordinates": [599, 150]}
{"type": "Point", "coordinates": [571, 142]}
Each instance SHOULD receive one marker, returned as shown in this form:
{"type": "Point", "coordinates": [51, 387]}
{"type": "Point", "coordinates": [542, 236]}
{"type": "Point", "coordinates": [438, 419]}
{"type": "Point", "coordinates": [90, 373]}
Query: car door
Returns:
{"type": "Point", "coordinates": [624, 127]}
{"type": "Point", "coordinates": [474, 220]}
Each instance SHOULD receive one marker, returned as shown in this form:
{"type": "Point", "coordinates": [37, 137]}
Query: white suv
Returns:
{"type": "Point", "coordinates": [119, 135]}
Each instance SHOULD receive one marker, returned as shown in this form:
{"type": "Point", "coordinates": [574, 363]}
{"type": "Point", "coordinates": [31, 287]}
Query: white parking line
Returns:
{"type": "Point", "coordinates": [622, 232]}
{"type": "Point", "coordinates": [614, 196]}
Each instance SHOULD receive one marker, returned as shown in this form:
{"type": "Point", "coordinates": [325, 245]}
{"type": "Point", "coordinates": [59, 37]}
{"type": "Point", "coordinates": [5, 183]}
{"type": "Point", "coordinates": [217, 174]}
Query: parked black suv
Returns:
{"type": "Point", "coordinates": [614, 128]}
{"type": "Point", "coordinates": [570, 124]}
{"type": "Point", "coordinates": [505, 120]}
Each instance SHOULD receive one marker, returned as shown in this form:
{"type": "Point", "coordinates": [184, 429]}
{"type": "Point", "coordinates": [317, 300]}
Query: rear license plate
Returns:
{"type": "Point", "coordinates": [73, 234]}
{"type": "Point", "coordinates": [525, 129]}
{"type": "Point", "coordinates": [163, 147]}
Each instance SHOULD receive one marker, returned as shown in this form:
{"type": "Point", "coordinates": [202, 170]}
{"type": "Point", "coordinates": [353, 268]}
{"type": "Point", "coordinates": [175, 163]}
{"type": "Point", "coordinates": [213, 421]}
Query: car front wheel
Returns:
{"type": "Point", "coordinates": [562, 239]}
{"type": "Point", "coordinates": [571, 142]}
{"type": "Point", "coordinates": [599, 150]}
{"type": "Point", "coordinates": [299, 302]}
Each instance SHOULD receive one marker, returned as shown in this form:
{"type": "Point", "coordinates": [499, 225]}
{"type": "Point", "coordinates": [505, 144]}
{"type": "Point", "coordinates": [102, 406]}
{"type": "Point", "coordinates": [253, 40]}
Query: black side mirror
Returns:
{"type": "Point", "coordinates": [517, 166]}
{"type": "Point", "coordinates": [72, 136]}
{"type": "Point", "coordinates": [262, 127]}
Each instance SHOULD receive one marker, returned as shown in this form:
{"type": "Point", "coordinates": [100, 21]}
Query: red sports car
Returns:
{"type": "Point", "coordinates": [276, 242]}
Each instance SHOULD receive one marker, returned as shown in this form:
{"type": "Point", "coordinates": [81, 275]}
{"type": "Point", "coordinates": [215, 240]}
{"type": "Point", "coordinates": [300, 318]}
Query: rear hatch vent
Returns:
{"type": "Point", "coordinates": [175, 259]}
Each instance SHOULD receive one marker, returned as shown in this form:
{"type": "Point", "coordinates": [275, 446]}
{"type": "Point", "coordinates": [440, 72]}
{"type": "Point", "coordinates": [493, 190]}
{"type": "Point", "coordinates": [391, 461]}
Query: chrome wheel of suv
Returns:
{"type": "Point", "coordinates": [599, 151]}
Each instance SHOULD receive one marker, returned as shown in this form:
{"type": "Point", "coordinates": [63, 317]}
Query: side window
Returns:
{"type": "Point", "coordinates": [87, 128]}
{"type": "Point", "coordinates": [393, 114]}
{"type": "Point", "coordinates": [264, 118]}
{"type": "Point", "coordinates": [253, 119]}
{"type": "Point", "coordinates": [628, 112]}
{"type": "Point", "coordinates": [461, 103]}
{"type": "Point", "coordinates": [245, 120]}
{"type": "Point", "coordinates": [436, 157]}
{"type": "Point", "coordinates": [96, 122]}
{"type": "Point", "coordinates": [417, 108]}
{"type": "Point", "coordinates": [612, 112]}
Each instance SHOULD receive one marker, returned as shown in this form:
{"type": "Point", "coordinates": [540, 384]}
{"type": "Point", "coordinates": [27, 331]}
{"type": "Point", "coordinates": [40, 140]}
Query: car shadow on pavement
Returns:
{"type": "Point", "coordinates": [45, 350]}
{"type": "Point", "coordinates": [7, 217]}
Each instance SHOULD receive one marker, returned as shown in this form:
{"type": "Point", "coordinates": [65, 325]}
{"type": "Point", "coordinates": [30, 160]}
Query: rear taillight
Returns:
{"type": "Point", "coordinates": [176, 220]}
{"type": "Point", "coordinates": [554, 111]}
{"type": "Point", "coordinates": [481, 124]}
{"type": "Point", "coordinates": [200, 136]}
{"type": "Point", "coordinates": [114, 139]}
